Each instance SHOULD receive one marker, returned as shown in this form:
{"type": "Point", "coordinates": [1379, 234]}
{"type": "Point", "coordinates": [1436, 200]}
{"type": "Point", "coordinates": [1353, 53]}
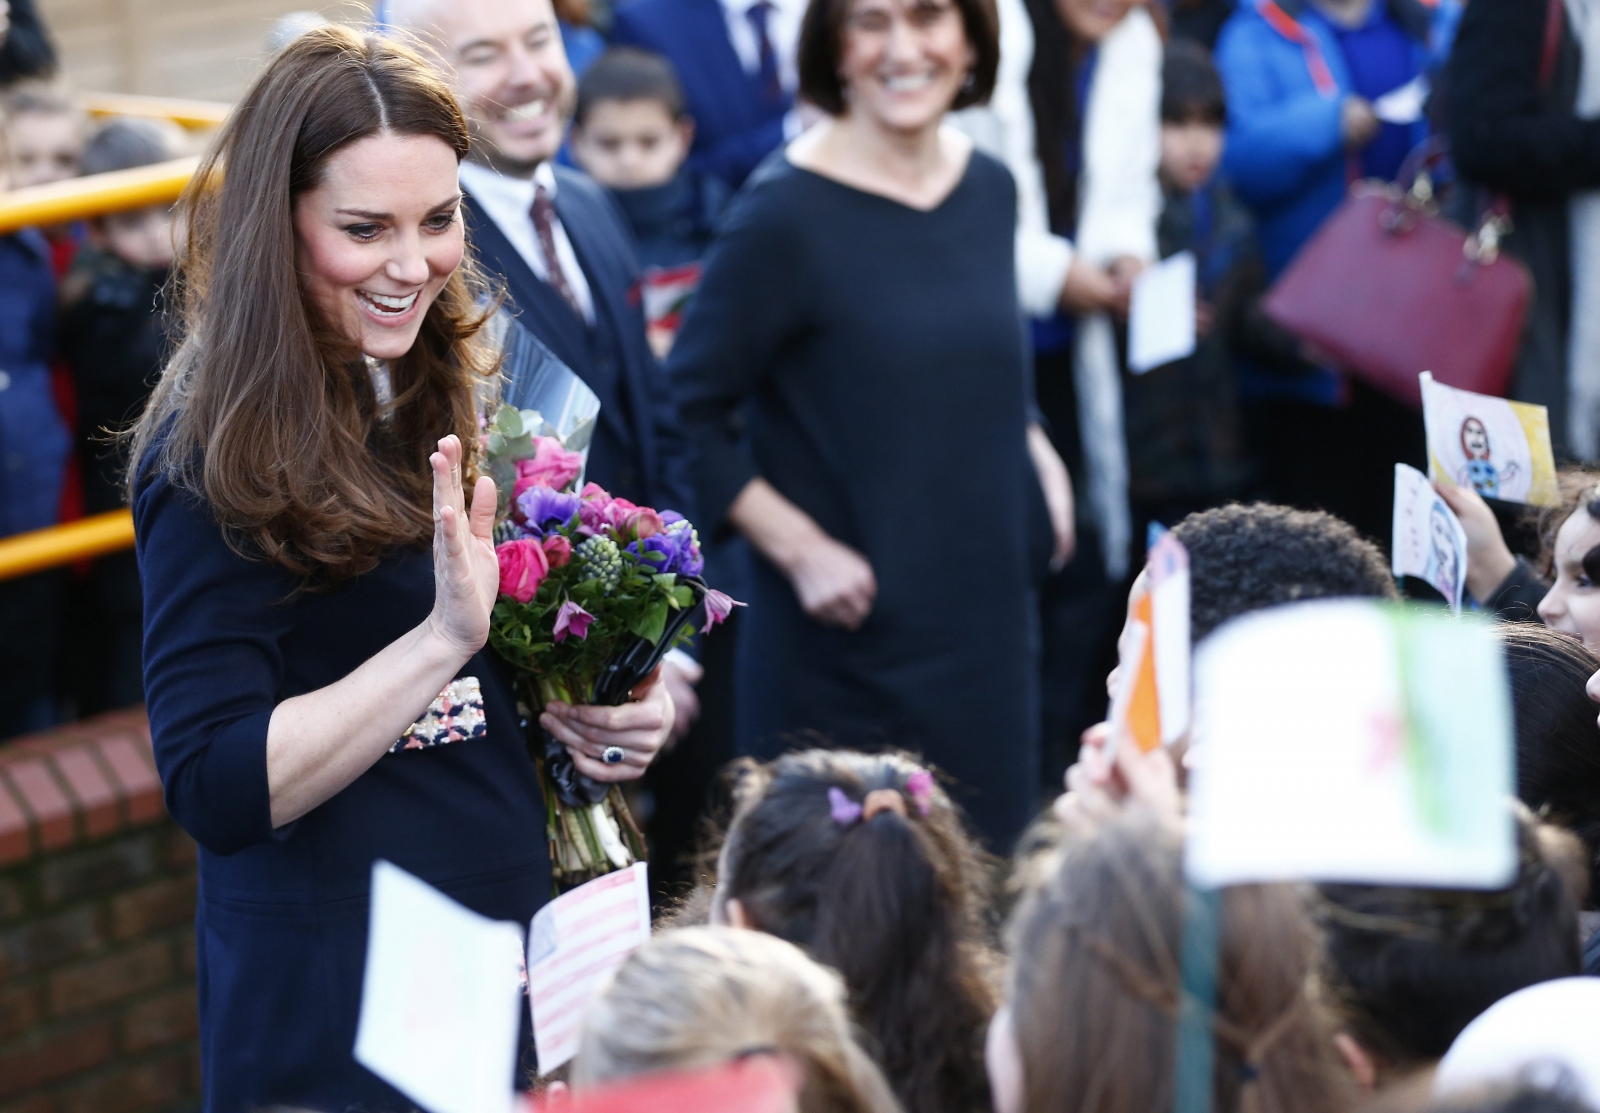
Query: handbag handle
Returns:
{"type": "Point", "coordinates": [1416, 172]}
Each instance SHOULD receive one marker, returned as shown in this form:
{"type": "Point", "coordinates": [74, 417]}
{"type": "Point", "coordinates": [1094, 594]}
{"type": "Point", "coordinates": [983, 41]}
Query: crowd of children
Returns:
{"type": "Point", "coordinates": [1331, 998]}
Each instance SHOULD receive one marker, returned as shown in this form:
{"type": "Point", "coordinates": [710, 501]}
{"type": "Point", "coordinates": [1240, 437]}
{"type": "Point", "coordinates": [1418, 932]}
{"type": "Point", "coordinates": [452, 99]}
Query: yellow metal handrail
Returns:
{"type": "Point", "coordinates": [78, 198]}
{"type": "Point", "coordinates": [65, 544]}
{"type": "Point", "coordinates": [196, 115]}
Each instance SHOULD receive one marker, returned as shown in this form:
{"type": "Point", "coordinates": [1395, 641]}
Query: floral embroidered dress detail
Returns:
{"type": "Point", "coordinates": [455, 716]}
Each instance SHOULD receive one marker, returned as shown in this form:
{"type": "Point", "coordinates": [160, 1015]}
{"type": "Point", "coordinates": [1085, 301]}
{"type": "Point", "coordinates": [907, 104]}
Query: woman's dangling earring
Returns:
{"type": "Point", "coordinates": [970, 82]}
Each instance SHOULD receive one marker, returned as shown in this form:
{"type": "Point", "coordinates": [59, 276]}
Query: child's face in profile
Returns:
{"type": "Point", "coordinates": [44, 148]}
{"type": "Point", "coordinates": [631, 144]}
{"type": "Point", "coordinates": [1190, 152]}
{"type": "Point", "coordinates": [142, 238]}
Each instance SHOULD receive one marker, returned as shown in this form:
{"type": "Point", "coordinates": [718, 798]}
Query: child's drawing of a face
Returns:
{"type": "Point", "coordinates": [1474, 439]}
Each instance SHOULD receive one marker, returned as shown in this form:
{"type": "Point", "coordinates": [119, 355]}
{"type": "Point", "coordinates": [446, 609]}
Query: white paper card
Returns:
{"type": "Point", "coordinates": [1403, 105]}
{"type": "Point", "coordinates": [1352, 741]}
{"type": "Point", "coordinates": [1161, 317]}
{"type": "Point", "coordinates": [441, 998]}
{"type": "Point", "coordinates": [574, 944]}
{"type": "Point", "coordinates": [1429, 542]}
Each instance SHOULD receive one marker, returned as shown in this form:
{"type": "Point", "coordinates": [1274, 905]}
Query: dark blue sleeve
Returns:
{"type": "Point", "coordinates": [213, 623]}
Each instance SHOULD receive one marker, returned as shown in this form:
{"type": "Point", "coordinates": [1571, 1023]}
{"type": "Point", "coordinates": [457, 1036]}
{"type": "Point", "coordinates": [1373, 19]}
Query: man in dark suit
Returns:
{"type": "Point", "coordinates": [736, 60]}
{"type": "Point", "coordinates": [559, 243]}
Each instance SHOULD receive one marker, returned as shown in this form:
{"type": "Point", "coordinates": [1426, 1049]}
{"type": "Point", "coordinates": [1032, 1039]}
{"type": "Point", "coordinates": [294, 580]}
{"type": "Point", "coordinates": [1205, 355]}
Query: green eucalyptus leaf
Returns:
{"type": "Point", "coordinates": [653, 622]}
{"type": "Point", "coordinates": [508, 421]}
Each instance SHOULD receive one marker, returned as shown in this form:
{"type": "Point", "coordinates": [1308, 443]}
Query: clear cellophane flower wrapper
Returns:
{"type": "Point", "coordinates": [593, 590]}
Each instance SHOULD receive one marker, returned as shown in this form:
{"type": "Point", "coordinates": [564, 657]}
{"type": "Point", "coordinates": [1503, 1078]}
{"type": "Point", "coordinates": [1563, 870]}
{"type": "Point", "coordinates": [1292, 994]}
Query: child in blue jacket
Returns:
{"type": "Point", "coordinates": [1301, 78]}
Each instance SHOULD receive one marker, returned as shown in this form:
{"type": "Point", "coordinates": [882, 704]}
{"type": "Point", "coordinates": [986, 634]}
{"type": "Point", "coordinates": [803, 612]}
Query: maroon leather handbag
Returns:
{"type": "Point", "coordinates": [1388, 289]}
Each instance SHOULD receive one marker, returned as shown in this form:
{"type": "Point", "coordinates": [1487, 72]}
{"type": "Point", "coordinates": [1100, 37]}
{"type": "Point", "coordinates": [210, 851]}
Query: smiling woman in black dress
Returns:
{"type": "Point", "coordinates": [313, 577]}
{"type": "Point", "coordinates": [852, 373]}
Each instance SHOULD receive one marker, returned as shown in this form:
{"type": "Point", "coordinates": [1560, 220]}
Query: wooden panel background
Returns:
{"type": "Point", "coordinates": [176, 48]}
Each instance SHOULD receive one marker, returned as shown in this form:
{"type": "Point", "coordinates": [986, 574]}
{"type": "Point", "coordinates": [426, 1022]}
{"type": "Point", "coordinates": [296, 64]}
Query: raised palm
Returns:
{"type": "Point", "coordinates": [466, 573]}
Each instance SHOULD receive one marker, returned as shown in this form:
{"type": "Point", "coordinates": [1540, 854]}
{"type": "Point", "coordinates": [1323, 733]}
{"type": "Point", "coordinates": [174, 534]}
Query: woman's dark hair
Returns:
{"type": "Point", "coordinates": [1409, 968]}
{"type": "Point", "coordinates": [26, 52]}
{"type": "Point", "coordinates": [264, 410]}
{"type": "Point", "coordinates": [822, 45]}
{"type": "Point", "coordinates": [1057, 122]}
{"type": "Point", "coordinates": [894, 903]}
{"type": "Point", "coordinates": [1558, 739]}
{"type": "Point", "coordinates": [1191, 88]}
{"type": "Point", "coordinates": [1095, 993]}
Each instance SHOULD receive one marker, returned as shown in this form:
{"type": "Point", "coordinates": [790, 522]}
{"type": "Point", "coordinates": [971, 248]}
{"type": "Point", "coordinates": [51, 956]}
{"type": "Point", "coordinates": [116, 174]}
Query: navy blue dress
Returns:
{"type": "Point", "coordinates": [867, 360]}
{"type": "Point", "coordinates": [281, 929]}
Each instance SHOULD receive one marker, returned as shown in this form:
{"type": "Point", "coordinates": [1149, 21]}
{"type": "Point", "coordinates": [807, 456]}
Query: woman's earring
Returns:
{"type": "Point", "coordinates": [970, 82]}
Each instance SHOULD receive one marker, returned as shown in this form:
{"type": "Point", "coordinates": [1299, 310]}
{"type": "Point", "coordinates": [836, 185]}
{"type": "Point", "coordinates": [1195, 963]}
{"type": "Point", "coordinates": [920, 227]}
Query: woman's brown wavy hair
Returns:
{"type": "Point", "coordinates": [263, 410]}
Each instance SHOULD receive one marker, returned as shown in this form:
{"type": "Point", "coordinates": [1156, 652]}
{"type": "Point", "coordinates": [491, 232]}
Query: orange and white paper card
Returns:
{"type": "Point", "coordinates": [1151, 704]}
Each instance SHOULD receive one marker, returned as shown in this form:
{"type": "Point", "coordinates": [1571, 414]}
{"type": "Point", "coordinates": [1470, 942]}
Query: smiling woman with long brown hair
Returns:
{"type": "Point", "coordinates": [317, 580]}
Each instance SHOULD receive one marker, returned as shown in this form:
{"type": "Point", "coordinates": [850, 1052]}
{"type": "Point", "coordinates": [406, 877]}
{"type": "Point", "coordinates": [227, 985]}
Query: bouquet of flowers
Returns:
{"type": "Point", "coordinates": [593, 592]}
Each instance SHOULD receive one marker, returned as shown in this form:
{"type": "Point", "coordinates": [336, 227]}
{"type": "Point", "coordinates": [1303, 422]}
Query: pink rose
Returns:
{"type": "Point", "coordinates": [552, 466]}
{"type": "Point", "coordinates": [523, 567]}
{"type": "Point", "coordinates": [557, 549]}
{"type": "Point", "coordinates": [601, 512]}
{"type": "Point", "coordinates": [640, 522]}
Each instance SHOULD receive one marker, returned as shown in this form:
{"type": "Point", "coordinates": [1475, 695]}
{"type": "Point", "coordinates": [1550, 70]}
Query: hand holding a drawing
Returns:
{"type": "Point", "coordinates": [1489, 560]}
{"type": "Point", "coordinates": [1099, 786]}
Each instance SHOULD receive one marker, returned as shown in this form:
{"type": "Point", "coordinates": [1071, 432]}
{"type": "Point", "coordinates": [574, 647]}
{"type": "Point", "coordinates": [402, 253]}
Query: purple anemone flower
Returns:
{"type": "Point", "coordinates": [677, 545]}
{"type": "Point", "coordinates": [542, 508]}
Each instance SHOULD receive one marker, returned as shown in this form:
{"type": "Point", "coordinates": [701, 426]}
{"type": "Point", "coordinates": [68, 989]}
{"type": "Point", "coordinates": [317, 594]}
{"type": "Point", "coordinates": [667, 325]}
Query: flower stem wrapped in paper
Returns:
{"type": "Point", "coordinates": [594, 591]}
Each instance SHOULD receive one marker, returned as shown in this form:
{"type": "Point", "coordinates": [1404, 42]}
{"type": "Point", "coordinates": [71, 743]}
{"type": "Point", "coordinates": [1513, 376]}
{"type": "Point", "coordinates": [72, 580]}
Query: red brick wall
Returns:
{"type": "Point", "coordinates": [97, 887]}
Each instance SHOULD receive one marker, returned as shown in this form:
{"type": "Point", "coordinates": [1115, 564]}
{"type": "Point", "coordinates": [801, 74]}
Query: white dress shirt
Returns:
{"type": "Point", "coordinates": [509, 203]}
{"type": "Point", "coordinates": [783, 29]}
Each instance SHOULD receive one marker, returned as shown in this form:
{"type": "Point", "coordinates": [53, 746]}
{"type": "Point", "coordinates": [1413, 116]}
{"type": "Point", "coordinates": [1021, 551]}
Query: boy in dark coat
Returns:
{"type": "Point", "coordinates": [632, 134]}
